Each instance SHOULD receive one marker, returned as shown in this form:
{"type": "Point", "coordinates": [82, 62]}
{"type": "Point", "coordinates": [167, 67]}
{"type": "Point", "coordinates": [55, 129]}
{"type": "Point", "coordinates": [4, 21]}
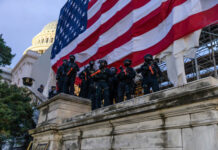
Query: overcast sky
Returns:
{"type": "Point", "coordinates": [21, 20]}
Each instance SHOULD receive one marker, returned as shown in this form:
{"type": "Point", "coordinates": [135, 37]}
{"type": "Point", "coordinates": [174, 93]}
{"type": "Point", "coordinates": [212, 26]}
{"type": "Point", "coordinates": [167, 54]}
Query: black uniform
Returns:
{"type": "Point", "coordinates": [52, 92]}
{"type": "Point", "coordinates": [84, 84]}
{"type": "Point", "coordinates": [113, 85]}
{"type": "Point", "coordinates": [126, 81]}
{"type": "Point", "coordinates": [91, 84]}
{"type": "Point", "coordinates": [102, 88]}
{"type": "Point", "coordinates": [61, 76]}
{"type": "Point", "coordinates": [71, 76]}
{"type": "Point", "coordinates": [150, 72]}
{"type": "Point", "coordinates": [41, 88]}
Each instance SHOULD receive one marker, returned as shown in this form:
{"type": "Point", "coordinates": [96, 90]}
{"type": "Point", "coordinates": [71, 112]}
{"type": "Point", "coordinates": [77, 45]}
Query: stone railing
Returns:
{"type": "Point", "coordinates": [181, 118]}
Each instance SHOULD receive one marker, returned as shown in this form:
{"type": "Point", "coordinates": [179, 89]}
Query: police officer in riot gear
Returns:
{"type": "Point", "coordinates": [61, 76]}
{"type": "Point", "coordinates": [71, 75]}
{"type": "Point", "coordinates": [126, 83]}
{"type": "Point", "coordinates": [84, 84]}
{"type": "Point", "coordinates": [150, 72]}
{"type": "Point", "coordinates": [113, 85]}
{"type": "Point", "coordinates": [91, 83]}
{"type": "Point", "coordinates": [101, 77]}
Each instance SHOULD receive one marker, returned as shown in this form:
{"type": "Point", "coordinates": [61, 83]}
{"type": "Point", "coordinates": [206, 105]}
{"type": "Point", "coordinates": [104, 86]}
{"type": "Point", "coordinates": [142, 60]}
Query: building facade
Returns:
{"type": "Point", "coordinates": [24, 67]}
{"type": "Point", "coordinates": [5, 74]}
{"type": "Point", "coordinates": [40, 43]}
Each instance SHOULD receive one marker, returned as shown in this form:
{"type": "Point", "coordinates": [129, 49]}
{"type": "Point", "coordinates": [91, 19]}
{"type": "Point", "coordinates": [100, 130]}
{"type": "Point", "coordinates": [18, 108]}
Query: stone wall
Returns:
{"type": "Point", "coordinates": [182, 118]}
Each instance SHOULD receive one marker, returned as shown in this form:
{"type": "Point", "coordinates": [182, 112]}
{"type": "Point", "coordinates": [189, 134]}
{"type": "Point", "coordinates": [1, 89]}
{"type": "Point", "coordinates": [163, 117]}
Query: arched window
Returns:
{"type": "Point", "coordinates": [42, 40]}
{"type": "Point", "coordinates": [46, 40]}
{"type": "Point", "coordinates": [52, 39]}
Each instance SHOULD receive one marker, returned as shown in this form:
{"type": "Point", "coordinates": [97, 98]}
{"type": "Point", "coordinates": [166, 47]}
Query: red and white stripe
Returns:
{"type": "Point", "coordinates": [120, 29]}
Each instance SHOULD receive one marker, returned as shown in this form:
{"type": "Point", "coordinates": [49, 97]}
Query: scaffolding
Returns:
{"type": "Point", "coordinates": [204, 64]}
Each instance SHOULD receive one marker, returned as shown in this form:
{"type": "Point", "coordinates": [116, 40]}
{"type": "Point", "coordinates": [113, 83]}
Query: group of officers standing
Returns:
{"type": "Point", "coordinates": [105, 83]}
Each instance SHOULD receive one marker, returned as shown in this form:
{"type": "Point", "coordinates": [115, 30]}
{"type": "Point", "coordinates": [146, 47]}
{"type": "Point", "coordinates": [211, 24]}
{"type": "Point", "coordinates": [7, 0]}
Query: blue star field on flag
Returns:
{"type": "Point", "coordinates": [71, 23]}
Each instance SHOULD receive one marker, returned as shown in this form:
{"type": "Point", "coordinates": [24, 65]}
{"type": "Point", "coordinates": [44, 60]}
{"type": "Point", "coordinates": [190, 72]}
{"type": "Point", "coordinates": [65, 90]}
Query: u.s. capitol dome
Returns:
{"type": "Point", "coordinates": [42, 41]}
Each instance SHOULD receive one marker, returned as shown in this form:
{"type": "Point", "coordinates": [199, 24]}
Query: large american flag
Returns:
{"type": "Point", "coordinates": [118, 29]}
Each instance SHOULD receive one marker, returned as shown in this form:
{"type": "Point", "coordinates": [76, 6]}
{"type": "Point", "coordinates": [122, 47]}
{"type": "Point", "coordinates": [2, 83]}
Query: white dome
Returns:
{"type": "Point", "coordinates": [50, 27]}
{"type": "Point", "coordinates": [42, 41]}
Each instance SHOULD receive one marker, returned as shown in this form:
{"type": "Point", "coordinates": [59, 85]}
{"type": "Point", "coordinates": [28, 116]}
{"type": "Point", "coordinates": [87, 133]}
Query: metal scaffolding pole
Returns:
{"type": "Point", "coordinates": [214, 62]}
{"type": "Point", "coordinates": [213, 54]}
{"type": "Point", "coordinates": [196, 67]}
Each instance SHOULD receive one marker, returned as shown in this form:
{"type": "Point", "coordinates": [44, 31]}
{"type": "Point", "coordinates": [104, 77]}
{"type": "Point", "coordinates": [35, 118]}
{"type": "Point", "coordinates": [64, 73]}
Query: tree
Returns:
{"type": "Point", "coordinates": [5, 53]}
{"type": "Point", "coordinates": [16, 112]}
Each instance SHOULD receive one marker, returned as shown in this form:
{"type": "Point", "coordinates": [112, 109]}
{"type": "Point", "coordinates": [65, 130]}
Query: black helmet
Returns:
{"type": "Point", "coordinates": [72, 57]}
{"type": "Point", "coordinates": [127, 62]}
{"type": "Point", "coordinates": [91, 63]}
{"type": "Point", "coordinates": [113, 70]}
{"type": "Point", "coordinates": [64, 61]}
{"type": "Point", "coordinates": [102, 61]}
{"type": "Point", "coordinates": [148, 57]}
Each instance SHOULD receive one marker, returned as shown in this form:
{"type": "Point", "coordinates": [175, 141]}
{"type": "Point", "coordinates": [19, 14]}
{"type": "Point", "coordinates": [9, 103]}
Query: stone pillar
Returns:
{"type": "Point", "coordinates": [51, 140]}
{"type": "Point", "coordinates": [61, 107]}
{"type": "Point", "coordinates": [52, 112]}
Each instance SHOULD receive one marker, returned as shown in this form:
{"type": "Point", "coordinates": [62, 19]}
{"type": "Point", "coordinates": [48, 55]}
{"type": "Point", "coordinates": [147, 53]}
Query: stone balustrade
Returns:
{"type": "Point", "coordinates": [180, 118]}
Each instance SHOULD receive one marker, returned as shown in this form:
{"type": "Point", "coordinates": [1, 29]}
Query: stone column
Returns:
{"type": "Point", "coordinates": [61, 107]}
{"type": "Point", "coordinates": [52, 114]}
